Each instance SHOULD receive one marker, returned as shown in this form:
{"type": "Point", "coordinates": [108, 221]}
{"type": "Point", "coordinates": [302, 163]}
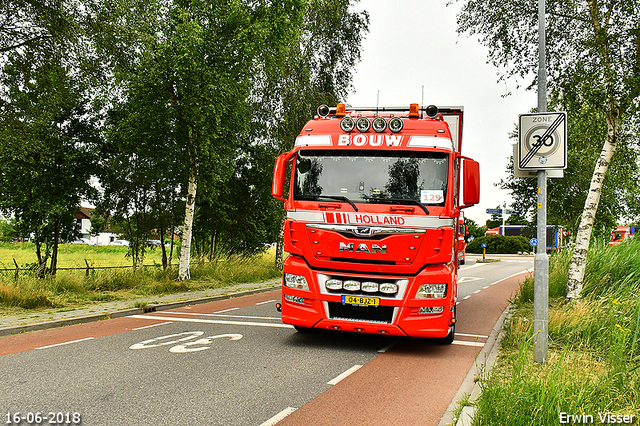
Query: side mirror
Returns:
{"type": "Point", "coordinates": [470, 182]}
{"type": "Point", "coordinates": [279, 176]}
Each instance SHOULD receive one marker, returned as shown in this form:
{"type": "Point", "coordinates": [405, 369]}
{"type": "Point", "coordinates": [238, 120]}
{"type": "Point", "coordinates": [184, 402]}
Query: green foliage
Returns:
{"type": "Point", "coordinates": [593, 351]}
{"type": "Point", "coordinates": [500, 244]}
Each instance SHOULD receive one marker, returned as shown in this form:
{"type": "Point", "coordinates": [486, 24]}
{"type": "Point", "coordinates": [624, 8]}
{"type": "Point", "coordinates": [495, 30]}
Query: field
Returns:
{"type": "Point", "coordinates": [71, 289]}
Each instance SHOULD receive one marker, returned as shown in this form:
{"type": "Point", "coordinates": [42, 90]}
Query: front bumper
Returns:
{"type": "Point", "coordinates": [400, 315]}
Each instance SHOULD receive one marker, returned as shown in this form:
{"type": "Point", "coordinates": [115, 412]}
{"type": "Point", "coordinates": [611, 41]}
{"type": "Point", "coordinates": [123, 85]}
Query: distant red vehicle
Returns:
{"type": "Point", "coordinates": [620, 234]}
{"type": "Point", "coordinates": [373, 208]}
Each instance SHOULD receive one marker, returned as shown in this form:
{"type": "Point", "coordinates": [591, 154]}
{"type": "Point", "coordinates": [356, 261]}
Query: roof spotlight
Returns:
{"type": "Point", "coordinates": [379, 124]}
{"type": "Point", "coordinates": [363, 124]}
{"type": "Point", "coordinates": [396, 124]}
{"type": "Point", "coordinates": [432, 111]}
{"type": "Point", "coordinates": [347, 124]}
{"type": "Point", "coordinates": [323, 110]}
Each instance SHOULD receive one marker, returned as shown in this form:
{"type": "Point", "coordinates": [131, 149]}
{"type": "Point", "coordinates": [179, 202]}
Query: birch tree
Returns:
{"type": "Point", "coordinates": [593, 53]}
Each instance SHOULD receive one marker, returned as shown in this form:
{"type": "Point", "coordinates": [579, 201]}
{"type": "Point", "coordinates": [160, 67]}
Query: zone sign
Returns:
{"type": "Point", "coordinates": [542, 141]}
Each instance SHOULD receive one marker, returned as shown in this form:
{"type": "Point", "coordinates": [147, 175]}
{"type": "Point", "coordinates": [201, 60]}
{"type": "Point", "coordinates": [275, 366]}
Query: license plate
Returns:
{"type": "Point", "coordinates": [360, 300]}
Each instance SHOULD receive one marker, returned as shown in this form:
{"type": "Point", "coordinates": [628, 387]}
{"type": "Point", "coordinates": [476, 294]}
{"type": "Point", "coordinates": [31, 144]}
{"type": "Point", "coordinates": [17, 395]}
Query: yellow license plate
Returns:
{"type": "Point", "coordinates": [360, 300]}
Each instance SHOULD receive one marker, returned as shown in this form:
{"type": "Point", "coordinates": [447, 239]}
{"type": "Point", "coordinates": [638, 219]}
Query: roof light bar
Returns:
{"type": "Point", "coordinates": [363, 124]}
{"type": "Point", "coordinates": [347, 124]}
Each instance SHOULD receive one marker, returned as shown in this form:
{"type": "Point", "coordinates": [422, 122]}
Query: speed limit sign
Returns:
{"type": "Point", "coordinates": [542, 141]}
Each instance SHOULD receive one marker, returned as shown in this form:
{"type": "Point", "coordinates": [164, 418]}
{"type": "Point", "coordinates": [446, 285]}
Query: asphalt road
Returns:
{"type": "Point", "coordinates": [233, 362]}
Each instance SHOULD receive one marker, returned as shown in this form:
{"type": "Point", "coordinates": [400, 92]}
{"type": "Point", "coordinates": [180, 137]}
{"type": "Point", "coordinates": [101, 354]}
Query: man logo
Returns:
{"type": "Point", "coordinates": [363, 248]}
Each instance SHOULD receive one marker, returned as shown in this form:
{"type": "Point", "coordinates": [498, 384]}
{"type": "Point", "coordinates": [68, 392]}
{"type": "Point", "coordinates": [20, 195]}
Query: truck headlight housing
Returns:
{"type": "Point", "coordinates": [296, 281]}
{"type": "Point", "coordinates": [431, 291]}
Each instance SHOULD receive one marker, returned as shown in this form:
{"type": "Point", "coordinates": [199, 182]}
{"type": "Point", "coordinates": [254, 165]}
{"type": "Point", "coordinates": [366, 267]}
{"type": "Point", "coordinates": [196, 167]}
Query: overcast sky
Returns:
{"type": "Point", "coordinates": [414, 43]}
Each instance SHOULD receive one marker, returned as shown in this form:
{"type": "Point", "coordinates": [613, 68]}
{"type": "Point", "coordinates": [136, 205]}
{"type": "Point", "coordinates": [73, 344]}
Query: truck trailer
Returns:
{"type": "Point", "coordinates": [373, 202]}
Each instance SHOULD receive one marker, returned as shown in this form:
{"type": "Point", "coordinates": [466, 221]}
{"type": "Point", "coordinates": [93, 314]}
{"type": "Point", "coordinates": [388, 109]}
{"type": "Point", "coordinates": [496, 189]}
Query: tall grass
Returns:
{"type": "Point", "coordinates": [594, 347]}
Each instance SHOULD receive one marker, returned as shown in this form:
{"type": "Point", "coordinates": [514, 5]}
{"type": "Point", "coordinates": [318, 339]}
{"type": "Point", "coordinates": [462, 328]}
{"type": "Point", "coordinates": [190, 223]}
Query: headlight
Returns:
{"type": "Point", "coordinates": [296, 281]}
{"type": "Point", "coordinates": [369, 287]}
{"type": "Point", "coordinates": [431, 291]}
{"type": "Point", "coordinates": [388, 288]}
{"type": "Point", "coordinates": [333, 284]}
{"type": "Point", "coordinates": [351, 285]}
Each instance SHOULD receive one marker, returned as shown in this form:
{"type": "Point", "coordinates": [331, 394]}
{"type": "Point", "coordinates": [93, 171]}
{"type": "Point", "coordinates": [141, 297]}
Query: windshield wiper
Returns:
{"type": "Point", "coordinates": [330, 197]}
{"type": "Point", "coordinates": [400, 201]}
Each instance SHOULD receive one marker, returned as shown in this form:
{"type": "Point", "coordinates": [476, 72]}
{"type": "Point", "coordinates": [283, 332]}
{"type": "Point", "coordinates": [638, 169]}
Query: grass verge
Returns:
{"type": "Point", "coordinates": [592, 374]}
{"type": "Point", "coordinates": [76, 289]}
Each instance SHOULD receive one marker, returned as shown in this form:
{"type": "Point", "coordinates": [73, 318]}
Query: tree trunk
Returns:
{"type": "Point", "coordinates": [184, 272]}
{"type": "Point", "coordinates": [579, 259]}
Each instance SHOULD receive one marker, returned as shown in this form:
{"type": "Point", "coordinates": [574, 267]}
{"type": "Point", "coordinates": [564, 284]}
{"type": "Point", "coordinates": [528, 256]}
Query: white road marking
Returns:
{"type": "Point", "coordinates": [264, 303]}
{"type": "Point", "coordinates": [149, 326]}
{"type": "Point", "coordinates": [476, 265]}
{"type": "Point", "coordinates": [199, 320]}
{"type": "Point", "coordinates": [479, 336]}
{"type": "Point", "coordinates": [386, 348]}
{"type": "Point", "coordinates": [222, 315]}
{"type": "Point", "coordinates": [281, 415]}
{"type": "Point", "coordinates": [469, 279]}
{"type": "Point", "coordinates": [65, 343]}
{"type": "Point", "coordinates": [226, 310]}
{"type": "Point", "coordinates": [465, 343]}
{"type": "Point", "coordinates": [344, 375]}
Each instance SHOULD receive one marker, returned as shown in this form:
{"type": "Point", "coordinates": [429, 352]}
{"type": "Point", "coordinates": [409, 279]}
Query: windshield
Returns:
{"type": "Point", "coordinates": [372, 176]}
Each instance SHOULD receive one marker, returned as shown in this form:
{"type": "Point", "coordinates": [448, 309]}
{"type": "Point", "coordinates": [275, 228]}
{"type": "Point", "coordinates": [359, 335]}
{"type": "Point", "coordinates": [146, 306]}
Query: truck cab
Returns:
{"type": "Point", "coordinates": [373, 205]}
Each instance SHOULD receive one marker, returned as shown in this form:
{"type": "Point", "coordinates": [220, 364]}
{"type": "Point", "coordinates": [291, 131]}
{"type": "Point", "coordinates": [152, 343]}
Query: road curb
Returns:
{"type": "Point", "coordinates": [483, 364]}
{"type": "Point", "coordinates": [5, 331]}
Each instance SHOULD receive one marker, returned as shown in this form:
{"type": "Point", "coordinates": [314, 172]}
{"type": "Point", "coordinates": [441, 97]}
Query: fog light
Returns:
{"type": "Point", "coordinates": [333, 284]}
{"type": "Point", "coordinates": [431, 291]}
{"type": "Point", "coordinates": [296, 281]}
{"type": "Point", "coordinates": [294, 299]}
{"type": "Point", "coordinates": [370, 287]}
{"type": "Point", "coordinates": [396, 124]}
{"type": "Point", "coordinates": [379, 124]}
{"type": "Point", "coordinates": [347, 124]}
{"type": "Point", "coordinates": [388, 288]}
{"type": "Point", "coordinates": [363, 124]}
{"type": "Point", "coordinates": [431, 310]}
{"type": "Point", "coordinates": [351, 285]}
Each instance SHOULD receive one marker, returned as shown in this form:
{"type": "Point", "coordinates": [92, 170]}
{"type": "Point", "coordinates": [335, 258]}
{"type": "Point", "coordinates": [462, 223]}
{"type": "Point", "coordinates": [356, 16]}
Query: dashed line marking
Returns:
{"type": "Point", "coordinates": [65, 343]}
{"type": "Point", "coordinates": [280, 416]}
{"type": "Point", "coordinates": [344, 375]}
{"type": "Point", "coordinates": [265, 302]}
{"type": "Point", "coordinates": [226, 310]}
{"type": "Point", "coordinates": [386, 348]}
{"type": "Point", "coordinates": [149, 326]}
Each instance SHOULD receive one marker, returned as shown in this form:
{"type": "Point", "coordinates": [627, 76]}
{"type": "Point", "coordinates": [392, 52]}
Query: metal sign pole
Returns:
{"type": "Point", "coordinates": [541, 275]}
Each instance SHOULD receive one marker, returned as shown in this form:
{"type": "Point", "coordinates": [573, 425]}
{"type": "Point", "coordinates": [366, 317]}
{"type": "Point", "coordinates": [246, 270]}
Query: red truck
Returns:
{"type": "Point", "coordinates": [373, 203]}
{"type": "Point", "coordinates": [620, 234]}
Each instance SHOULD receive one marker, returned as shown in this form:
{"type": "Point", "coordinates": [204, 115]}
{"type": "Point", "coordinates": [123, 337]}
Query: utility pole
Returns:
{"type": "Point", "coordinates": [541, 274]}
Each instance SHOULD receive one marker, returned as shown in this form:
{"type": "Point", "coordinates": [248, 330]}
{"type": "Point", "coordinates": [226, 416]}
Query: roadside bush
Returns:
{"type": "Point", "coordinates": [500, 244]}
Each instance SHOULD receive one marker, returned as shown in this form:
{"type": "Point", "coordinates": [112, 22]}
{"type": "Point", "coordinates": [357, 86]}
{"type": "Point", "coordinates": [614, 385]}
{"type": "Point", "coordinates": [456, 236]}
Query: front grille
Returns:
{"type": "Point", "coordinates": [365, 261]}
{"type": "Point", "coordinates": [377, 314]}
